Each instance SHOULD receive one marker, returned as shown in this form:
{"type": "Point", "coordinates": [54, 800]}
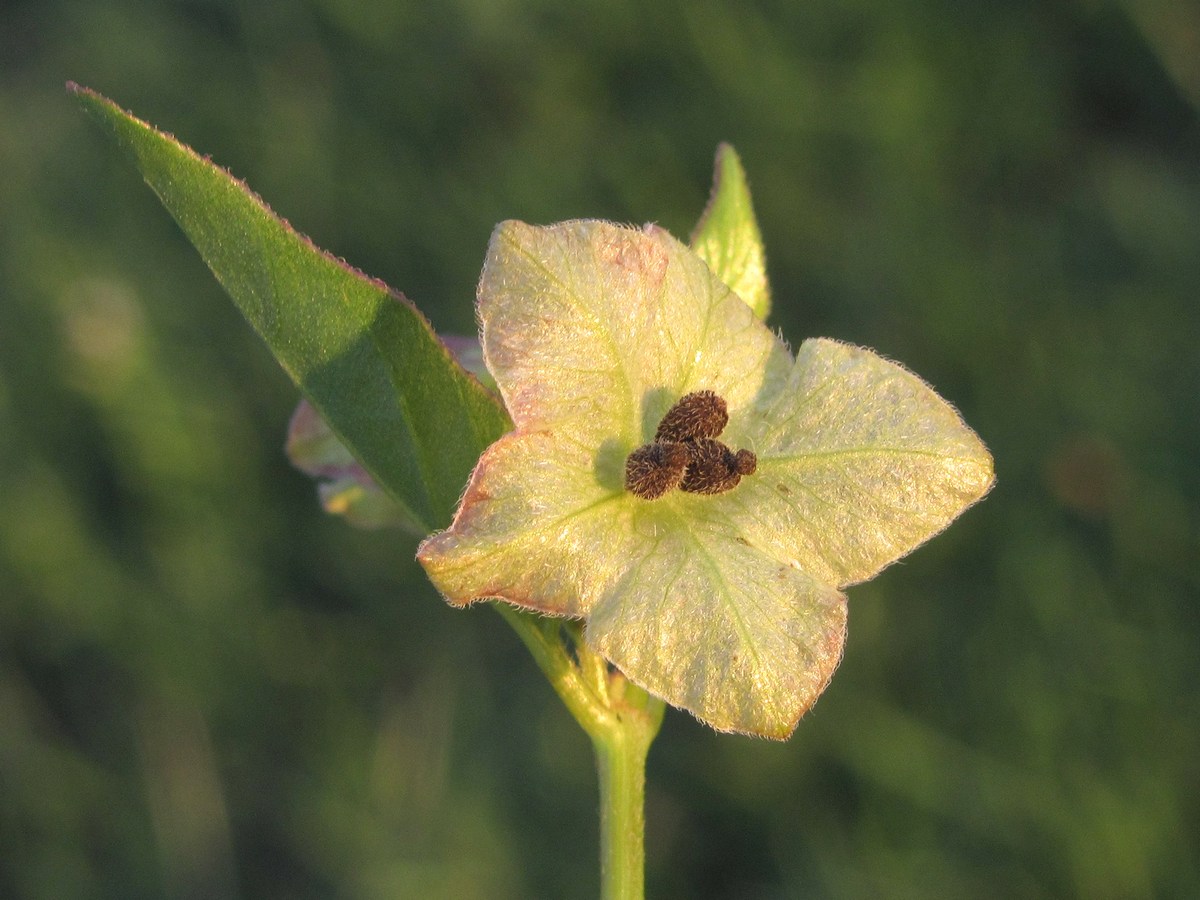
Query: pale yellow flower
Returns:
{"type": "Point", "coordinates": [728, 605]}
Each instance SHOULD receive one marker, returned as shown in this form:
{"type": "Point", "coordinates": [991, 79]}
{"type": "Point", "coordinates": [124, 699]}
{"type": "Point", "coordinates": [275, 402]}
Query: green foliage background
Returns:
{"type": "Point", "coordinates": [208, 688]}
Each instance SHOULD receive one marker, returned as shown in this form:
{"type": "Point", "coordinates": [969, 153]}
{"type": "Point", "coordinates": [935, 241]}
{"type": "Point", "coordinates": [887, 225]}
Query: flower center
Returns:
{"type": "Point", "coordinates": [686, 454]}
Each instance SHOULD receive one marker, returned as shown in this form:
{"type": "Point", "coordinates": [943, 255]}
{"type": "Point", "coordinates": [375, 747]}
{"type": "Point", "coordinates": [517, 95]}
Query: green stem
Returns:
{"type": "Point", "coordinates": [621, 765]}
{"type": "Point", "coordinates": [622, 721]}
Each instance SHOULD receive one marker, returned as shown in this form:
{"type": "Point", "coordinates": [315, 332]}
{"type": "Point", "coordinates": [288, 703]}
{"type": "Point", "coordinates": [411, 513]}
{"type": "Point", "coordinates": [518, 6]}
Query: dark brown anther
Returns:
{"type": "Point", "coordinates": [745, 462]}
{"type": "Point", "coordinates": [686, 454]}
{"type": "Point", "coordinates": [700, 414]}
{"type": "Point", "coordinates": [654, 469]}
{"type": "Point", "coordinates": [712, 469]}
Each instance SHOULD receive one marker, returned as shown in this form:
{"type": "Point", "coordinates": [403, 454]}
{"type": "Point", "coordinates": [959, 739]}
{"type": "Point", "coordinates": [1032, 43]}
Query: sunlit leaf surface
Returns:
{"type": "Point", "coordinates": [727, 236]}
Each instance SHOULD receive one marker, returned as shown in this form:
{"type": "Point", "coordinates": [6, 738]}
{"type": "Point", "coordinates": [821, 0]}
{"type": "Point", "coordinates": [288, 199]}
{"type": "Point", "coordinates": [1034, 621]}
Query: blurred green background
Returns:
{"type": "Point", "coordinates": [210, 689]}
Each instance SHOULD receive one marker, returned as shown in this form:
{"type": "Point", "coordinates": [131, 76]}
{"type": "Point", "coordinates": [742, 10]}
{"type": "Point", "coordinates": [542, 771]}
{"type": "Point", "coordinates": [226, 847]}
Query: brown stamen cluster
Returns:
{"type": "Point", "coordinates": [686, 454]}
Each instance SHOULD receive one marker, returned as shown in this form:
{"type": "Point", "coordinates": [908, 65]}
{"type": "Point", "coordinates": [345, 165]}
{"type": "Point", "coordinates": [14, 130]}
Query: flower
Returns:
{"type": "Point", "coordinates": [727, 604]}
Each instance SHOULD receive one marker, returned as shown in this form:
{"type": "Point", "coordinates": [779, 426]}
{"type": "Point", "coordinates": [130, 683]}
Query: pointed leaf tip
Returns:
{"type": "Point", "coordinates": [362, 354]}
{"type": "Point", "coordinates": [727, 236]}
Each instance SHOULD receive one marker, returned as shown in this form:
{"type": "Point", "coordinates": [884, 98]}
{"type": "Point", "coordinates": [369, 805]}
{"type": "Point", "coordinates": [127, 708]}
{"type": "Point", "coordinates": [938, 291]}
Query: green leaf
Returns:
{"type": "Point", "coordinates": [344, 486]}
{"type": "Point", "coordinates": [727, 235]}
{"type": "Point", "coordinates": [361, 353]}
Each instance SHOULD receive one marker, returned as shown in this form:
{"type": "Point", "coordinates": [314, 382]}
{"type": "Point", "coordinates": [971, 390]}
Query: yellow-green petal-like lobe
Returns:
{"type": "Point", "coordinates": [706, 621]}
{"type": "Point", "coordinates": [859, 462]}
{"type": "Point", "coordinates": [536, 527]}
{"type": "Point", "coordinates": [597, 330]}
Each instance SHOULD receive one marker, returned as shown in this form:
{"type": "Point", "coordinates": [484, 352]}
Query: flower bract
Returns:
{"type": "Point", "coordinates": [726, 604]}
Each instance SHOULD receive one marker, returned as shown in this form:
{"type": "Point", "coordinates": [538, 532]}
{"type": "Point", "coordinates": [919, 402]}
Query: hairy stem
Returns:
{"type": "Point", "coordinates": [622, 721]}
{"type": "Point", "coordinates": [621, 764]}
